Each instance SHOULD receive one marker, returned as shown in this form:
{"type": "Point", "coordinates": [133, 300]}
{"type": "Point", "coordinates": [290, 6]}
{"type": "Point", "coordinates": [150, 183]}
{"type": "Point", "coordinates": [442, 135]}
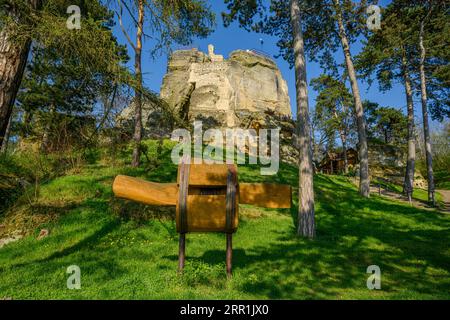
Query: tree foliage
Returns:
{"type": "Point", "coordinates": [398, 38]}
{"type": "Point", "coordinates": [93, 44]}
{"type": "Point", "coordinates": [73, 59]}
{"type": "Point", "coordinates": [334, 107]}
{"type": "Point", "coordinates": [386, 123]}
{"type": "Point", "coordinates": [173, 21]}
{"type": "Point", "coordinates": [167, 22]}
{"type": "Point", "coordinates": [321, 35]}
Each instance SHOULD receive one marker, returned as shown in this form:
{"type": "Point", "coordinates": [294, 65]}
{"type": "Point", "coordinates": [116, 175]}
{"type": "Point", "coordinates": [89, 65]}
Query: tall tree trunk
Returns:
{"type": "Point", "coordinates": [138, 91]}
{"type": "Point", "coordinates": [313, 141]}
{"type": "Point", "coordinates": [4, 146]}
{"type": "Point", "coordinates": [410, 164]}
{"type": "Point", "coordinates": [426, 127]}
{"type": "Point", "coordinates": [306, 220]}
{"type": "Point", "coordinates": [364, 180]}
{"type": "Point", "coordinates": [13, 59]}
{"type": "Point", "coordinates": [343, 135]}
{"type": "Point", "coordinates": [344, 150]}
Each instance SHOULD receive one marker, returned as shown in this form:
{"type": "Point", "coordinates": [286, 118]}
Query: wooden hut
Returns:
{"type": "Point", "coordinates": [334, 162]}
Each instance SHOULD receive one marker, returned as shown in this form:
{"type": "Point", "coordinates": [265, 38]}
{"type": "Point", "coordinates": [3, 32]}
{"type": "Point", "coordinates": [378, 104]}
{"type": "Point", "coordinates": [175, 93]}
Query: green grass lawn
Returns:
{"type": "Point", "coordinates": [127, 251]}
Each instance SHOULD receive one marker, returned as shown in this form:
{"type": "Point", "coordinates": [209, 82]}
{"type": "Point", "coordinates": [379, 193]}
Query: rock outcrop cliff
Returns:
{"type": "Point", "coordinates": [245, 91]}
{"type": "Point", "coordinates": [225, 92]}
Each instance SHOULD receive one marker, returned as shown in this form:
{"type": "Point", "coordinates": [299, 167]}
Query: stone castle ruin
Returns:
{"type": "Point", "coordinates": [244, 91]}
{"type": "Point", "coordinates": [227, 92]}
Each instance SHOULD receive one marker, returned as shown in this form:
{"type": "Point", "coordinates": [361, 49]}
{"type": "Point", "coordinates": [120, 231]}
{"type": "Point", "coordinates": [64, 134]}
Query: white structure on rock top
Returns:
{"type": "Point", "coordinates": [213, 56]}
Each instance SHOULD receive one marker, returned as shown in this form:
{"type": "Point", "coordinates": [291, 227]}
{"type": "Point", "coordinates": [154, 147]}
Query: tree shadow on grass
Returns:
{"type": "Point", "coordinates": [409, 245]}
{"type": "Point", "coordinates": [77, 247]}
{"type": "Point", "coordinates": [323, 268]}
{"type": "Point", "coordinates": [89, 240]}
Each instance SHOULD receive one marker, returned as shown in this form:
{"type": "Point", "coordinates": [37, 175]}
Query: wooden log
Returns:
{"type": "Point", "coordinates": [166, 194]}
{"type": "Point", "coordinates": [265, 195]}
{"type": "Point", "coordinates": [150, 193]}
{"type": "Point", "coordinates": [207, 175]}
{"type": "Point", "coordinates": [206, 214]}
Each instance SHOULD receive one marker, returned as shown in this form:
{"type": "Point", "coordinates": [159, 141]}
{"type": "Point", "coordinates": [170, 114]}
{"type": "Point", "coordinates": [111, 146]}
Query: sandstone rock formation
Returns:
{"type": "Point", "coordinates": [224, 92]}
{"type": "Point", "coordinates": [245, 91]}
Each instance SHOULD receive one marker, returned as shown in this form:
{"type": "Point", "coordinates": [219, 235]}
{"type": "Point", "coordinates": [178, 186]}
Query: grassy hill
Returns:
{"type": "Point", "coordinates": [128, 251]}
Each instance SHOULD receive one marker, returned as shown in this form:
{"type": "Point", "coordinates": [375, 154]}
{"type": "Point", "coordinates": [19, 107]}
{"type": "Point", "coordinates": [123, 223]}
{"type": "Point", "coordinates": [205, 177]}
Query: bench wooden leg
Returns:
{"type": "Point", "coordinates": [181, 252]}
{"type": "Point", "coordinates": [229, 254]}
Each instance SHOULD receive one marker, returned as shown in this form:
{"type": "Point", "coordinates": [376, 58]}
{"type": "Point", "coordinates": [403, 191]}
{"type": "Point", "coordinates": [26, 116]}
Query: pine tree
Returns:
{"type": "Point", "coordinates": [333, 109]}
{"type": "Point", "coordinates": [174, 21]}
{"type": "Point", "coordinates": [341, 11]}
{"type": "Point", "coordinates": [398, 52]}
{"type": "Point", "coordinates": [59, 84]}
{"type": "Point", "coordinates": [287, 20]}
{"type": "Point", "coordinates": [42, 23]}
{"type": "Point", "coordinates": [386, 123]}
{"type": "Point", "coordinates": [388, 53]}
{"type": "Point", "coordinates": [429, 12]}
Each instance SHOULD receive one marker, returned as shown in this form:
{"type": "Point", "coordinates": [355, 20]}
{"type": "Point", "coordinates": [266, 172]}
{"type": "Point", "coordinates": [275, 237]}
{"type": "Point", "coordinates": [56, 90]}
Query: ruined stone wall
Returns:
{"type": "Point", "coordinates": [225, 92]}
{"type": "Point", "coordinates": [245, 91]}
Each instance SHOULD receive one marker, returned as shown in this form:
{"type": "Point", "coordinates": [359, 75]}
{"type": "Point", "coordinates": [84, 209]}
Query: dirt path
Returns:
{"type": "Point", "coordinates": [416, 203]}
{"type": "Point", "coordinates": [444, 207]}
{"type": "Point", "coordinates": [400, 197]}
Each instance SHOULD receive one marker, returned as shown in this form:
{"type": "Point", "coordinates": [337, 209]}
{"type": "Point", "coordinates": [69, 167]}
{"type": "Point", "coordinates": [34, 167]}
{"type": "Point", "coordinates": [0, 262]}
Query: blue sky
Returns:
{"type": "Point", "coordinates": [232, 38]}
